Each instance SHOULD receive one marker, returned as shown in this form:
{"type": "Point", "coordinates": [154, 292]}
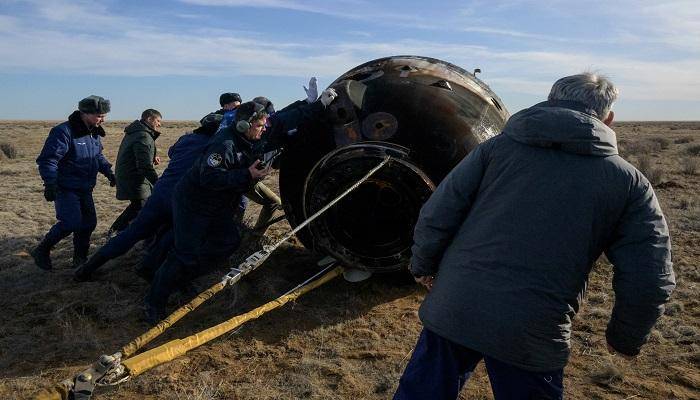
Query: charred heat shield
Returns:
{"type": "Point", "coordinates": [425, 113]}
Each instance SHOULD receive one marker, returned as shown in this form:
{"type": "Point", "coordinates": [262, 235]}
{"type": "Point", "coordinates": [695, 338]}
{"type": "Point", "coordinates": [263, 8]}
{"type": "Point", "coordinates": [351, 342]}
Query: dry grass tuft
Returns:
{"type": "Point", "coordinates": [637, 147]}
{"type": "Point", "coordinates": [663, 142]}
{"type": "Point", "coordinates": [9, 150]}
{"type": "Point", "coordinates": [656, 337]}
{"type": "Point", "coordinates": [608, 375]}
{"type": "Point", "coordinates": [599, 312]}
{"type": "Point", "coordinates": [205, 390]}
{"type": "Point", "coordinates": [686, 203]}
{"type": "Point", "coordinates": [646, 166]}
{"type": "Point", "coordinates": [690, 165]}
{"type": "Point", "coordinates": [683, 140]}
{"type": "Point", "coordinates": [687, 330]}
{"type": "Point", "coordinates": [693, 150]}
{"type": "Point", "coordinates": [673, 308]}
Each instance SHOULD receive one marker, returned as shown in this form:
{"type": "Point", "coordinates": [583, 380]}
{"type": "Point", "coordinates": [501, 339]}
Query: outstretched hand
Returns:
{"type": "Point", "coordinates": [112, 180]}
{"type": "Point", "coordinates": [327, 96]}
{"type": "Point", "coordinates": [311, 91]}
{"type": "Point", "coordinates": [50, 192]}
{"type": "Point", "coordinates": [258, 174]}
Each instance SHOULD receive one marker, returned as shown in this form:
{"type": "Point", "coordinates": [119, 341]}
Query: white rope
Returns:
{"type": "Point", "coordinates": [256, 259]}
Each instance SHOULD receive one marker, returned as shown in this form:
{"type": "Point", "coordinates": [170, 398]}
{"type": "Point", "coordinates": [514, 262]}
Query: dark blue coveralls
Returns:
{"type": "Point", "coordinates": [70, 159]}
{"type": "Point", "coordinates": [209, 196]}
{"type": "Point", "coordinates": [205, 203]}
{"type": "Point", "coordinates": [156, 215]}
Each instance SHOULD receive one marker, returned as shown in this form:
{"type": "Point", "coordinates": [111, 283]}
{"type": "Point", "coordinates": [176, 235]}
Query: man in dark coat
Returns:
{"type": "Point", "coordinates": [506, 243]}
{"type": "Point", "coordinates": [156, 215]}
{"type": "Point", "coordinates": [135, 170]}
{"type": "Point", "coordinates": [208, 198]}
{"type": "Point", "coordinates": [205, 203]}
{"type": "Point", "coordinates": [68, 165]}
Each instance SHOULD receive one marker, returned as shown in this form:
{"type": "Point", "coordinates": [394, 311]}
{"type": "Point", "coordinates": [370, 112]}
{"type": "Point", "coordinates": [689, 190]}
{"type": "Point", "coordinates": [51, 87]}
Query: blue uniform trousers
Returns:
{"type": "Point", "coordinates": [153, 216]}
{"type": "Point", "coordinates": [439, 368]}
{"type": "Point", "coordinates": [157, 252]}
{"type": "Point", "coordinates": [75, 212]}
{"type": "Point", "coordinates": [202, 243]}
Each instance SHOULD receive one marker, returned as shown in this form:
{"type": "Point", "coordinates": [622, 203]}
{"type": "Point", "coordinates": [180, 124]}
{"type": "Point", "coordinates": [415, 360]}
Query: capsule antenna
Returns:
{"type": "Point", "coordinates": [476, 71]}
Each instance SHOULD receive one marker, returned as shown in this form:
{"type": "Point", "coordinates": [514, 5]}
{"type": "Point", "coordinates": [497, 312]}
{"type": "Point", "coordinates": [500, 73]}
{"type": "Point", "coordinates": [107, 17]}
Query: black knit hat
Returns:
{"type": "Point", "coordinates": [229, 98]}
{"type": "Point", "coordinates": [94, 105]}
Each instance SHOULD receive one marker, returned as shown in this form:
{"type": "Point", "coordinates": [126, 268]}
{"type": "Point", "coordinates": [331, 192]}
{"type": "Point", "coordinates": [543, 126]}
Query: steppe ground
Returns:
{"type": "Point", "coordinates": [342, 340]}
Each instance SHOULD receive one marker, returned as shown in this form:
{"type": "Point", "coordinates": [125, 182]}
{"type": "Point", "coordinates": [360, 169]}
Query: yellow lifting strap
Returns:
{"type": "Point", "coordinates": [154, 332]}
{"type": "Point", "coordinates": [175, 348]}
{"type": "Point", "coordinates": [57, 392]}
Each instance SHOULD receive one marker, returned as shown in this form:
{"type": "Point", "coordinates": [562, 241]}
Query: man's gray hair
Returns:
{"type": "Point", "coordinates": [593, 90]}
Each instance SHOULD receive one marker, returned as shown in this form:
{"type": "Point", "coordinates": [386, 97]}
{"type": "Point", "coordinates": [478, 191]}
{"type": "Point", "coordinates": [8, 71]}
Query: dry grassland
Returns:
{"type": "Point", "coordinates": [342, 340]}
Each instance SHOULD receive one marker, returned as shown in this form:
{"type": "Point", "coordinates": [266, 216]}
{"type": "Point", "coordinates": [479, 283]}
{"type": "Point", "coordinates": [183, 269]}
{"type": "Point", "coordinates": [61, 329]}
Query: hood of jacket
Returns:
{"type": "Point", "coordinates": [79, 129]}
{"type": "Point", "coordinates": [565, 125]}
{"type": "Point", "coordinates": [140, 126]}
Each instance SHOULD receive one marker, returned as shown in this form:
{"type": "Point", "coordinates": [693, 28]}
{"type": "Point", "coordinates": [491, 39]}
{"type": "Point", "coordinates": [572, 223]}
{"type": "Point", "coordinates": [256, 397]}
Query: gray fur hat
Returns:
{"type": "Point", "coordinates": [94, 105]}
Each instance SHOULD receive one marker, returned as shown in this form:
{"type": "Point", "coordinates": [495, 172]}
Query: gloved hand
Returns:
{"type": "Point", "coordinates": [112, 180]}
{"type": "Point", "coordinates": [50, 192]}
{"type": "Point", "coordinates": [312, 91]}
{"type": "Point", "coordinates": [328, 96]}
{"type": "Point", "coordinates": [258, 174]}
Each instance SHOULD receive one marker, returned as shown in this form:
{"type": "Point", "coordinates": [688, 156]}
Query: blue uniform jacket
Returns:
{"type": "Point", "coordinates": [220, 176]}
{"type": "Point", "coordinates": [72, 155]}
{"type": "Point", "coordinates": [229, 117]}
{"type": "Point", "coordinates": [182, 155]}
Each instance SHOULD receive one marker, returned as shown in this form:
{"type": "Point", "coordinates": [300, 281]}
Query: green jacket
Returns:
{"type": "Point", "coordinates": [134, 168]}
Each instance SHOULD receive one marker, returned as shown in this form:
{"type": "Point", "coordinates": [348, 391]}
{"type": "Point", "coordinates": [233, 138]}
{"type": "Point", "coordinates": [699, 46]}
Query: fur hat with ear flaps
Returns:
{"type": "Point", "coordinates": [94, 105]}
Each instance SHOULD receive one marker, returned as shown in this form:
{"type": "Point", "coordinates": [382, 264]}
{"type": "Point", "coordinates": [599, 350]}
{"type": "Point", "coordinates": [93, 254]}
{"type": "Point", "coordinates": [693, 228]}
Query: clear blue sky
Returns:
{"type": "Point", "coordinates": [178, 56]}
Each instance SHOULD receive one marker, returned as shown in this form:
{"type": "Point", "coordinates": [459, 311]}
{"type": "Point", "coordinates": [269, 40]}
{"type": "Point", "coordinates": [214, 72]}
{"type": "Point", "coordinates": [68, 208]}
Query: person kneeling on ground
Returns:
{"type": "Point", "coordinates": [207, 200]}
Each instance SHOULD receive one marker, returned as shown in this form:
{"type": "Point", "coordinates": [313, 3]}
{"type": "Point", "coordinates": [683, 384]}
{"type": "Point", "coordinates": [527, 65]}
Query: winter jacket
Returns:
{"type": "Point", "coordinates": [135, 172]}
{"type": "Point", "coordinates": [220, 176]}
{"type": "Point", "coordinates": [512, 232]}
{"type": "Point", "coordinates": [181, 156]}
{"type": "Point", "coordinates": [209, 124]}
{"type": "Point", "coordinates": [72, 155]}
{"type": "Point", "coordinates": [228, 119]}
{"type": "Point", "coordinates": [282, 125]}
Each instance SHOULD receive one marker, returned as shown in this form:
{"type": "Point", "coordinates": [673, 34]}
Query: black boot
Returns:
{"type": "Point", "coordinates": [144, 273]}
{"type": "Point", "coordinates": [84, 273]}
{"type": "Point", "coordinates": [42, 256]}
{"type": "Point", "coordinates": [78, 260]}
